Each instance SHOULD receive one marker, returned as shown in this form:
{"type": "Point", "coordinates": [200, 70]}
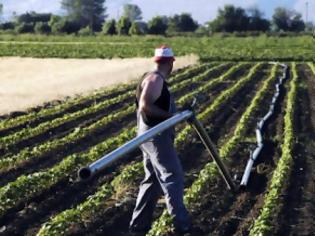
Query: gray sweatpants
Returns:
{"type": "Point", "coordinates": [163, 175]}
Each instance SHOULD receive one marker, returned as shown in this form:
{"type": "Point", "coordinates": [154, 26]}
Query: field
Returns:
{"type": "Point", "coordinates": [216, 48]}
{"type": "Point", "coordinates": [42, 149]}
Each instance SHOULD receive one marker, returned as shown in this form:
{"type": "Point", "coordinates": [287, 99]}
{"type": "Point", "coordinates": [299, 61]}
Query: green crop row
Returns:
{"type": "Point", "coordinates": [263, 225]}
{"type": "Point", "coordinates": [26, 133]}
{"type": "Point", "coordinates": [29, 153]}
{"type": "Point", "coordinates": [62, 222]}
{"type": "Point", "coordinates": [241, 128]}
{"type": "Point", "coordinates": [28, 186]}
{"type": "Point", "coordinates": [35, 115]}
{"type": "Point", "coordinates": [224, 97]}
{"type": "Point", "coordinates": [200, 77]}
{"type": "Point", "coordinates": [210, 172]}
{"type": "Point", "coordinates": [210, 48]}
{"type": "Point", "coordinates": [312, 66]}
{"type": "Point", "coordinates": [210, 84]}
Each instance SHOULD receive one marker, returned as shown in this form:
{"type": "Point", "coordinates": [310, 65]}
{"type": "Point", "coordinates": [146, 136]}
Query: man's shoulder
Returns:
{"type": "Point", "coordinates": [153, 77]}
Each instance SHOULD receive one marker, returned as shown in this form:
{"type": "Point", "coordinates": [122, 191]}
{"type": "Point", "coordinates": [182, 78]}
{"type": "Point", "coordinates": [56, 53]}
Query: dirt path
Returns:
{"type": "Point", "coordinates": [27, 82]}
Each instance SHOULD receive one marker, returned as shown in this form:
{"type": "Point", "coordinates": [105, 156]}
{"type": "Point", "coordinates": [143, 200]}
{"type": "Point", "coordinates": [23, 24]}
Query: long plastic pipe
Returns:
{"type": "Point", "coordinates": [87, 172]}
{"type": "Point", "coordinates": [97, 166]}
{"type": "Point", "coordinates": [259, 129]}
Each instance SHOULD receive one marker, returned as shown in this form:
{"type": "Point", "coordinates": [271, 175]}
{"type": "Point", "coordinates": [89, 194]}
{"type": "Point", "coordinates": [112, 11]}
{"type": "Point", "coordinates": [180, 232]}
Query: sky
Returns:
{"type": "Point", "coordinates": [201, 10]}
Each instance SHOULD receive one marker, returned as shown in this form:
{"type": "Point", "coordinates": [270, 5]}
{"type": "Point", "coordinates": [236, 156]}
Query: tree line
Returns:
{"type": "Point", "coordinates": [89, 16]}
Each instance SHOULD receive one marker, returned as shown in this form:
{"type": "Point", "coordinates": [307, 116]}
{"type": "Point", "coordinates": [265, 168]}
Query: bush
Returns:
{"type": "Point", "coordinates": [157, 25]}
{"type": "Point", "coordinates": [85, 31]}
{"type": "Point", "coordinates": [123, 25]}
{"type": "Point", "coordinates": [24, 28]}
{"type": "Point", "coordinates": [7, 26]}
{"type": "Point", "coordinates": [138, 28]}
{"type": "Point", "coordinates": [42, 28]}
{"type": "Point", "coordinates": [109, 28]}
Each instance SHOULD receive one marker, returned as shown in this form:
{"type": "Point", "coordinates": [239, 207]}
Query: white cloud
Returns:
{"type": "Point", "coordinates": [300, 6]}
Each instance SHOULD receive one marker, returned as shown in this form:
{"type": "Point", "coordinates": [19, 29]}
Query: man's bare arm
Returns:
{"type": "Point", "coordinates": [151, 90]}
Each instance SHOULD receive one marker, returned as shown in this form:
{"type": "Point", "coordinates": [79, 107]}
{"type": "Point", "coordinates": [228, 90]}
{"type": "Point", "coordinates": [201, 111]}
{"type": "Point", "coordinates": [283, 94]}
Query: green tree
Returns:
{"type": "Point", "coordinates": [123, 25]}
{"type": "Point", "coordinates": [109, 28]}
{"type": "Point", "coordinates": [256, 20]}
{"type": "Point", "coordinates": [182, 23]}
{"type": "Point", "coordinates": [42, 28]}
{"type": "Point", "coordinates": [33, 17]}
{"type": "Point", "coordinates": [157, 25]}
{"type": "Point", "coordinates": [230, 19]}
{"type": "Point", "coordinates": [62, 25]}
{"type": "Point", "coordinates": [86, 12]}
{"type": "Point", "coordinates": [138, 28]}
{"type": "Point", "coordinates": [24, 28]}
{"type": "Point", "coordinates": [287, 20]}
{"type": "Point", "coordinates": [133, 12]}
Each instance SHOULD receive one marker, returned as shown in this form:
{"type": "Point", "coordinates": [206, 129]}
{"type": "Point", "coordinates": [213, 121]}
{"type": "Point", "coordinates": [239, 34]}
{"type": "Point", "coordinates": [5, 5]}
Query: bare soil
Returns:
{"type": "Point", "coordinates": [28, 82]}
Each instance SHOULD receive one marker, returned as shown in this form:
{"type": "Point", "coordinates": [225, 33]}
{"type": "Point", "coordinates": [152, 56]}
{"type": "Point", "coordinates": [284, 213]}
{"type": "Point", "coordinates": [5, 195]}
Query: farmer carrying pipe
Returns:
{"type": "Point", "coordinates": [163, 170]}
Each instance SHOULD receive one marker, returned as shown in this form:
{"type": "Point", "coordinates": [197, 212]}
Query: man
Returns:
{"type": "Point", "coordinates": [163, 171]}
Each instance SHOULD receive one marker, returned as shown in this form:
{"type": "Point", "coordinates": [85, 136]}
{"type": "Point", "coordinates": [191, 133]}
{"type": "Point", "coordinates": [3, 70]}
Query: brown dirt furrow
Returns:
{"type": "Point", "coordinates": [220, 212]}
{"type": "Point", "coordinates": [116, 216]}
{"type": "Point", "coordinates": [64, 195]}
{"type": "Point", "coordinates": [111, 129]}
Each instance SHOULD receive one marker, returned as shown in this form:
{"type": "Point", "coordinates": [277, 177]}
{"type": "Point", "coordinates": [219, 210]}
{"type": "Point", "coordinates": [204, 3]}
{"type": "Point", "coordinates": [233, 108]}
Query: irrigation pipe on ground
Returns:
{"type": "Point", "coordinates": [260, 126]}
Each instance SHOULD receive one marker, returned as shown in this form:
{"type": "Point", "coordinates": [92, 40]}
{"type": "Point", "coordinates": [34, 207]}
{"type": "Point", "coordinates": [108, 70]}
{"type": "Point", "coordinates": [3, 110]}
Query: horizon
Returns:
{"type": "Point", "coordinates": [201, 10]}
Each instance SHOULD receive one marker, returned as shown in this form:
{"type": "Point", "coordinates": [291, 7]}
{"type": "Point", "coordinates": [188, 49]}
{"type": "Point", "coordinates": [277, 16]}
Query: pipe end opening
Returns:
{"type": "Point", "coordinates": [84, 173]}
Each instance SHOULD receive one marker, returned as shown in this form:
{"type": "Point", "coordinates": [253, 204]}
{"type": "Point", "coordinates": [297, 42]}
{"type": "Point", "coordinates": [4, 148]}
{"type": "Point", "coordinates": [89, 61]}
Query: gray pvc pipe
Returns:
{"type": "Point", "coordinates": [259, 129]}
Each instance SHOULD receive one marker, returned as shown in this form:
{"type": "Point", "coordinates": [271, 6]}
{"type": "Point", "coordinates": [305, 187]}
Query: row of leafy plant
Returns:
{"type": "Point", "coordinates": [210, 84]}
{"type": "Point", "coordinates": [11, 140]}
{"type": "Point", "coordinates": [263, 225]}
{"type": "Point", "coordinates": [210, 172]}
{"type": "Point", "coordinates": [91, 98]}
{"type": "Point", "coordinates": [82, 214]}
{"type": "Point", "coordinates": [210, 48]}
{"type": "Point", "coordinates": [30, 153]}
{"type": "Point", "coordinates": [28, 186]}
{"type": "Point", "coordinates": [312, 66]}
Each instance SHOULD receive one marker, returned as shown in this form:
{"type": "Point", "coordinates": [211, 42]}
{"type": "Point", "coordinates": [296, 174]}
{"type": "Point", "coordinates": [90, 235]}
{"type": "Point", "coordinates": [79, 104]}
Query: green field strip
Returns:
{"type": "Point", "coordinates": [31, 153]}
{"type": "Point", "coordinates": [28, 186]}
{"type": "Point", "coordinates": [210, 172]}
{"type": "Point", "coordinates": [263, 225]}
{"type": "Point", "coordinates": [62, 222]}
{"type": "Point", "coordinates": [215, 48]}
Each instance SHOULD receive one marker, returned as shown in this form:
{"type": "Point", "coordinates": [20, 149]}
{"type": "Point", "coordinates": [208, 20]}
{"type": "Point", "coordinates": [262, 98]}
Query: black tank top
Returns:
{"type": "Point", "coordinates": [163, 101]}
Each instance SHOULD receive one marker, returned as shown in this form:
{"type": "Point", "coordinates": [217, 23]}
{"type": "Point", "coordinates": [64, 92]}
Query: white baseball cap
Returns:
{"type": "Point", "coordinates": [163, 53]}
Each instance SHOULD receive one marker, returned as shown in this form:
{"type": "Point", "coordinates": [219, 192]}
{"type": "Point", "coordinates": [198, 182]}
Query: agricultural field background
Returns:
{"type": "Point", "coordinates": [43, 147]}
{"type": "Point", "coordinates": [216, 48]}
